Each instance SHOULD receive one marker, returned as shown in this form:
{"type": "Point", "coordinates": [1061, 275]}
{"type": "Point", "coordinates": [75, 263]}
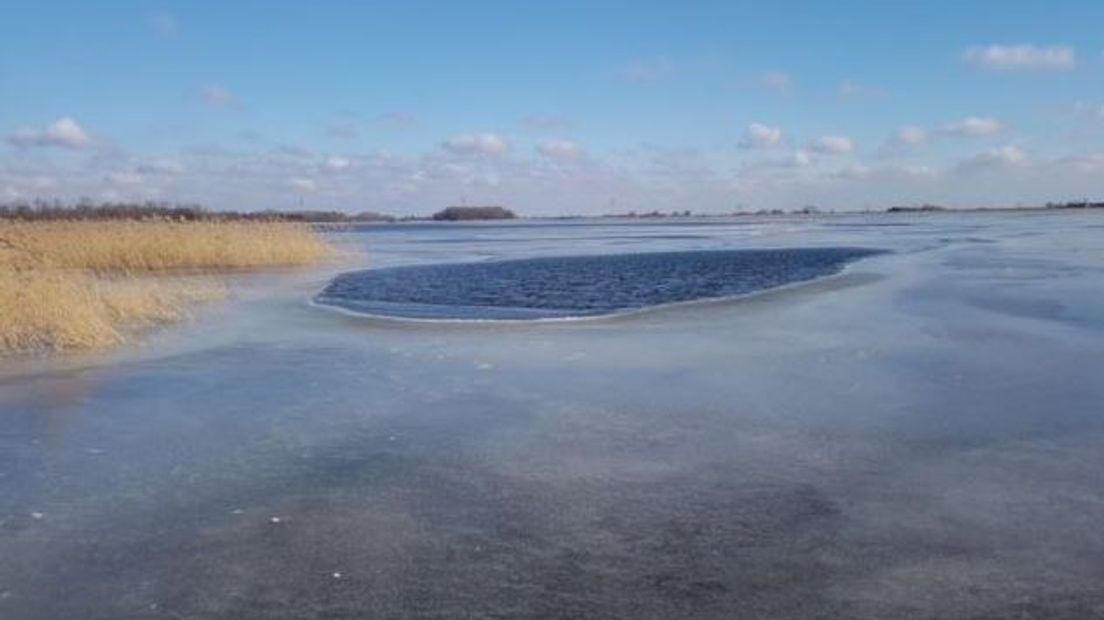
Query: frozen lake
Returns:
{"type": "Point", "coordinates": [920, 435]}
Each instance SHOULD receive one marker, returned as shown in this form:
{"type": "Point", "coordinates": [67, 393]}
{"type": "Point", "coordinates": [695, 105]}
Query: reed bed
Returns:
{"type": "Point", "coordinates": [127, 246]}
{"type": "Point", "coordinates": [77, 285]}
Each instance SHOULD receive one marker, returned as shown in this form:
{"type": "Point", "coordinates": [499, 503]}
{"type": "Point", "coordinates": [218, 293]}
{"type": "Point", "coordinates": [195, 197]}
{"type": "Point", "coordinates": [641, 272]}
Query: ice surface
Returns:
{"type": "Point", "coordinates": [918, 437]}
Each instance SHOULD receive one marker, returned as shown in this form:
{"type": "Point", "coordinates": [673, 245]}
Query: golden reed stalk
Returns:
{"type": "Point", "coordinates": [83, 284]}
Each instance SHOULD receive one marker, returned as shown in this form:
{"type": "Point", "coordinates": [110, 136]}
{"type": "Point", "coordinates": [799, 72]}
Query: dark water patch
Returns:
{"type": "Point", "coordinates": [573, 239]}
{"type": "Point", "coordinates": [966, 240]}
{"type": "Point", "coordinates": [577, 286]}
{"type": "Point", "coordinates": [868, 224]}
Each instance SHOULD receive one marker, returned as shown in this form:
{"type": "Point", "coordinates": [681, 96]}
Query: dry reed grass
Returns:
{"type": "Point", "coordinates": [74, 285]}
{"type": "Point", "coordinates": [125, 246]}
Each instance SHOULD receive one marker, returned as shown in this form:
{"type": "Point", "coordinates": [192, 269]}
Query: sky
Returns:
{"type": "Point", "coordinates": [553, 108]}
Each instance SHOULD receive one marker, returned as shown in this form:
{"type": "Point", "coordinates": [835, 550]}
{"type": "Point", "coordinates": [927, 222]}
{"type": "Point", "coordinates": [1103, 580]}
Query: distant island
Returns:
{"type": "Point", "coordinates": [915, 209]}
{"type": "Point", "coordinates": [457, 214]}
{"type": "Point", "coordinates": [1076, 204]}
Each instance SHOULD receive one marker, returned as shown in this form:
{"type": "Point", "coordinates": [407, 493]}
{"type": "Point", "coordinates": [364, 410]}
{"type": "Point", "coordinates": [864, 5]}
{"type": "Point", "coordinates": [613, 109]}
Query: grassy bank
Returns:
{"type": "Point", "coordinates": [73, 284]}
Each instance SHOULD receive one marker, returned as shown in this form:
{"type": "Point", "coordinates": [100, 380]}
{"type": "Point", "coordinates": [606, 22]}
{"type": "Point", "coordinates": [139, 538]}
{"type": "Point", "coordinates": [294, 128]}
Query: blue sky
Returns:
{"type": "Point", "coordinates": [565, 107]}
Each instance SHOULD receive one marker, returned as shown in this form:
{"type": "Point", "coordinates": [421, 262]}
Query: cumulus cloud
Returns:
{"type": "Point", "coordinates": [760, 136]}
{"type": "Point", "coordinates": [1087, 164]}
{"type": "Point", "coordinates": [62, 133]}
{"type": "Point", "coordinates": [336, 163]}
{"type": "Point", "coordinates": [560, 150]}
{"type": "Point", "coordinates": [798, 159]}
{"type": "Point", "coordinates": [992, 161]}
{"type": "Point", "coordinates": [1090, 110]}
{"type": "Point", "coordinates": [973, 126]}
{"type": "Point", "coordinates": [1021, 57]}
{"type": "Point", "coordinates": [1009, 155]}
{"type": "Point", "coordinates": [911, 135]}
{"type": "Point", "coordinates": [218, 95]}
{"type": "Point", "coordinates": [778, 81]}
{"type": "Point", "coordinates": [487, 144]}
{"type": "Point", "coordinates": [906, 139]}
{"type": "Point", "coordinates": [833, 145]}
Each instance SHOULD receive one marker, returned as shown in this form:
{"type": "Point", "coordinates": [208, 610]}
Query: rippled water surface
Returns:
{"type": "Point", "coordinates": [577, 286]}
{"type": "Point", "coordinates": [919, 436]}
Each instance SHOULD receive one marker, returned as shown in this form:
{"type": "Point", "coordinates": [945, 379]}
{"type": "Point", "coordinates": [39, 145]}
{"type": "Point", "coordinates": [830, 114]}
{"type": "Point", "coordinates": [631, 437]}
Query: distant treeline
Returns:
{"type": "Point", "coordinates": [44, 211]}
{"type": "Point", "coordinates": [1084, 204]}
{"type": "Point", "coordinates": [649, 214]}
{"type": "Point", "coordinates": [922, 208]}
{"type": "Point", "coordinates": [455, 214]}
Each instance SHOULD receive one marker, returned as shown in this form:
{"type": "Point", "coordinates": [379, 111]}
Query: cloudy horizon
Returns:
{"type": "Point", "coordinates": [576, 108]}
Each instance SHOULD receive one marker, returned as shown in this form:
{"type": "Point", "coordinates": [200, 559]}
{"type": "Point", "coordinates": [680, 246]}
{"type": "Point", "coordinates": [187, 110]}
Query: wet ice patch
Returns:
{"type": "Point", "coordinates": [577, 286]}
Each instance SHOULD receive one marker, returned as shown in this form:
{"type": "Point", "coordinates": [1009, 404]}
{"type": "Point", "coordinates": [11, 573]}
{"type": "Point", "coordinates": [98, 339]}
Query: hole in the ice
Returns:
{"type": "Point", "coordinates": [576, 286]}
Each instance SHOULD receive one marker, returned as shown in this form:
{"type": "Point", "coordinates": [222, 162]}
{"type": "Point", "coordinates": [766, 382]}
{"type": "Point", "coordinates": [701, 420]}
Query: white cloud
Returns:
{"type": "Point", "coordinates": [778, 81]}
{"type": "Point", "coordinates": [973, 126]}
{"type": "Point", "coordinates": [1091, 110]}
{"type": "Point", "coordinates": [833, 145]}
{"type": "Point", "coordinates": [336, 163]}
{"type": "Point", "coordinates": [801, 159]}
{"type": "Point", "coordinates": [759, 136]}
{"type": "Point", "coordinates": [561, 150]}
{"type": "Point", "coordinates": [1021, 57]}
{"type": "Point", "coordinates": [911, 135]}
{"type": "Point", "coordinates": [490, 144]}
{"type": "Point", "coordinates": [1003, 157]}
{"type": "Point", "coordinates": [218, 95]}
{"type": "Point", "coordinates": [1087, 164]}
{"type": "Point", "coordinates": [63, 133]}
{"type": "Point", "coordinates": [906, 139]}
{"type": "Point", "coordinates": [644, 178]}
{"type": "Point", "coordinates": [1011, 155]}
